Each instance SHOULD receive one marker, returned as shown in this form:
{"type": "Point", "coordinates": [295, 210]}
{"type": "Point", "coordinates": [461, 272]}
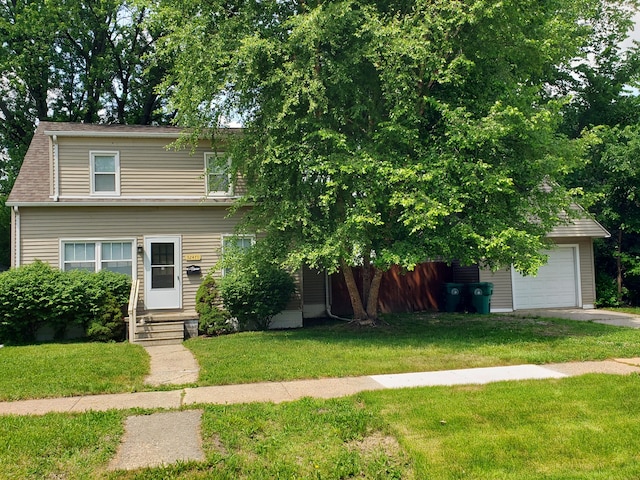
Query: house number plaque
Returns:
{"type": "Point", "coordinates": [193, 257]}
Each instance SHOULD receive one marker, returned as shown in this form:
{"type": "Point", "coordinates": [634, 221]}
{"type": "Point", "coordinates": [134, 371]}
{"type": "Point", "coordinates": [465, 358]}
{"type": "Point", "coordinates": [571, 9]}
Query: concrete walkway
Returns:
{"type": "Point", "coordinates": [171, 365]}
{"type": "Point", "coordinates": [167, 437]}
{"type": "Point", "coordinates": [617, 319]}
{"type": "Point", "coordinates": [320, 388]}
{"type": "Point", "coordinates": [146, 443]}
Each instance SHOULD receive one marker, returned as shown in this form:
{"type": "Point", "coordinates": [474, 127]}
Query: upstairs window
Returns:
{"type": "Point", "coordinates": [105, 173]}
{"type": "Point", "coordinates": [217, 174]}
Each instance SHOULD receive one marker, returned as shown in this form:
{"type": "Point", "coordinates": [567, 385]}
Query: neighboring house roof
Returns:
{"type": "Point", "coordinates": [583, 226]}
{"type": "Point", "coordinates": [33, 184]}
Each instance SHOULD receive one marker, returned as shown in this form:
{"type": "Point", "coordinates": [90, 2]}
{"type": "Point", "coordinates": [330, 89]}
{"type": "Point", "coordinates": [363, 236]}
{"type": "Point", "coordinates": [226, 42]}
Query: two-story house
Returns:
{"type": "Point", "coordinates": [116, 197]}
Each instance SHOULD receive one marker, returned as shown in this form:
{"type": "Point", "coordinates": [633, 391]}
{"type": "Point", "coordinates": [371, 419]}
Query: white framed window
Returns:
{"type": "Point", "coordinates": [96, 255]}
{"type": "Point", "coordinates": [105, 173]}
{"type": "Point", "coordinates": [218, 179]}
{"type": "Point", "coordinates": [236, 243]}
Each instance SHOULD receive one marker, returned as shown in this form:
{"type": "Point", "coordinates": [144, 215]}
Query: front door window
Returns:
{"type": "Point", "coordinates": [162, 265]}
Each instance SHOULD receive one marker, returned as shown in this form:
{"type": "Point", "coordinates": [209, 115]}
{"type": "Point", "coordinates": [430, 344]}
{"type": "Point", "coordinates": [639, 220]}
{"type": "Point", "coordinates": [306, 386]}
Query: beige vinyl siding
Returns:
{"type": "Point", "coordinates": [295, 303]}
{"type": "Point", "coordinates": [200, 228]}
{"type": "Point", "coordinates": [147, 167]}
{"type": "Point", "coordinates": [502, 298]}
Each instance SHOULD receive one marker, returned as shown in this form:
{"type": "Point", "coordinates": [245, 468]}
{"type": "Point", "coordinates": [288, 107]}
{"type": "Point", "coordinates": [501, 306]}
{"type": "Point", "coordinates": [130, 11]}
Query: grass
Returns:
{"type": "Point", "coordinates": [57, 446]}
{"type": "Point", "coordinates": [574, 428]}
{"type": "Point", "coordinates": [410, 342]}
{"type": "Point", "coordinates": [68, 369]}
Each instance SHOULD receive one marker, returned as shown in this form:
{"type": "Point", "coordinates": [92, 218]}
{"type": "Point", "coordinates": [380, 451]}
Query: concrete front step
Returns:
{"type": "Point", "coordinates": [157, 342]}
{"type": "Point", "coordinates": [159, 333]}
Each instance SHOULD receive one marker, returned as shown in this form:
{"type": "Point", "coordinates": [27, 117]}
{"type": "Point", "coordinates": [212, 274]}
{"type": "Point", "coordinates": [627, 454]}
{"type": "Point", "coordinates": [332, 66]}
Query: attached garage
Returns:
{"type": "Point", "coordinates": [566, 281]}
{"type": "Point", "coordinates": [556, 285]}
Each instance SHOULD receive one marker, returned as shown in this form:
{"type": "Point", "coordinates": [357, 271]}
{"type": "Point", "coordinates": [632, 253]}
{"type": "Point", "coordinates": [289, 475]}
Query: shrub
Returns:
{"type": "Point", "coordinates": [213, 319]}
{"type": "Point", "coordinates": [254, 294]}
{"type": "Point", "coordinates": [37, 295]}
{"type": "Point", "coordinates": [26, 294]}
{"type": "Point", "coordinates": [607, 291]}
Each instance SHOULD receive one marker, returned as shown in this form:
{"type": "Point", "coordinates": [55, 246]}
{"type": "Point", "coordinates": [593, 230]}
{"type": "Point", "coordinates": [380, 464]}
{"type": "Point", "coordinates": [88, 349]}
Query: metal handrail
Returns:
{"type": "Point", "coordinates": [133, 309]}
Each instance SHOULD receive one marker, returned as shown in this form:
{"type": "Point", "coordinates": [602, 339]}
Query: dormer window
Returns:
{"type": "Point", "coordinates": [217, 174]}
{"type": "Point", "coordinates": [105, 173]}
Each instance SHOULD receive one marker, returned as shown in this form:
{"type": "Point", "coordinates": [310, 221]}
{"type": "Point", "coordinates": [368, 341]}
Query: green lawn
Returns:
{"type": "Point", "coordinates": [575, 428]}
{"type": "Point", "coordinates": [68, 369]}
{"type": "Point", "coordinates": [410, 342]}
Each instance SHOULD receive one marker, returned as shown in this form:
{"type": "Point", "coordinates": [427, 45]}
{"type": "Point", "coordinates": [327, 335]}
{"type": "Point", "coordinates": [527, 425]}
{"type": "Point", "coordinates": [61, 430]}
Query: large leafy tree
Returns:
{"type": "Point", "coordinates": [72, 60]}
{"type": "Point", "coordinates": [387, 132]}
{"type": "Point", "coordinates": [605, 103]}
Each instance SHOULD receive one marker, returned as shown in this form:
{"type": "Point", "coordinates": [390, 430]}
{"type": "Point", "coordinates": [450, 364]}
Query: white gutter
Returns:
{"type": "Point", "coordinates": [17, 240]}
{"type": "Point", "coordinates": [151, 202]}
{"type": "Point", "coordinates": [56, 170]}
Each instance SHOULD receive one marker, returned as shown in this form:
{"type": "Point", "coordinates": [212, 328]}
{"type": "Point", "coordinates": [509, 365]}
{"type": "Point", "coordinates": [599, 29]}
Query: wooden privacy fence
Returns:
{"type": "Point", "coordinates": [415, 291]}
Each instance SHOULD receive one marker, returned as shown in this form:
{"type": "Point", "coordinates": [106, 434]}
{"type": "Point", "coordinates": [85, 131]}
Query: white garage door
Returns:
{"type": "Point", "coordinates": [556, 284]}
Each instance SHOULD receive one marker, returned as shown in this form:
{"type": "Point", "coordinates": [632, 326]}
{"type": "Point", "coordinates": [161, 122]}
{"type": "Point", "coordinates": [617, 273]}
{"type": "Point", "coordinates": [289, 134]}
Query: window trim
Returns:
{"type": "Point", "coordinates": [92, 160]}
{"type": "Point", "coordinates": [98, 251]}
{"type": "Point", "coordinates": [216, 193]}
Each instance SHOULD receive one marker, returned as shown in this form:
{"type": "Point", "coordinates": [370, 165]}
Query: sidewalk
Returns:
{"type": "Point", "coordinates": [321, 388]}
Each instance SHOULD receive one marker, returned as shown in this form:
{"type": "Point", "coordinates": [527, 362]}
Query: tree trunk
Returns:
{"type": "Point", "coordinates": [619, 265]}
{"type": "Point", "coordinates": [366, 278]}
{"type": "Point", "coordinates": [374, 290]}
{"type": "Point", "coordinates": [359, 313]}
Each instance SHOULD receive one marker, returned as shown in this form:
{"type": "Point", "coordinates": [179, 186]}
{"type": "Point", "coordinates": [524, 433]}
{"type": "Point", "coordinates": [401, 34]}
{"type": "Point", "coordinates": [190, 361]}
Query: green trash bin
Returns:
{"type": "Point", "coordinates": [480, 294]}
{"type": "Point", "coordinates": [453, 296]}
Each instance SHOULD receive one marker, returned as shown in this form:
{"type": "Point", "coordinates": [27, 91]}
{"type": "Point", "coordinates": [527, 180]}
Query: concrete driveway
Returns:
{"type": "Point", "coordinates": [593, 315]}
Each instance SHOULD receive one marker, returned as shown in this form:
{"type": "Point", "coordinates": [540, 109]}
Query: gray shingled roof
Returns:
{"type": "Point", "coordinates": [32, 184]}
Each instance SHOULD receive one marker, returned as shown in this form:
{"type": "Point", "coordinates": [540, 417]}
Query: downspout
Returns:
{"type": "Point", "coordinates": [327, 303]}
{"type": "Point", "coordinates": [17, 241]}
{"type": "Point", "coordinates": [56, 177]}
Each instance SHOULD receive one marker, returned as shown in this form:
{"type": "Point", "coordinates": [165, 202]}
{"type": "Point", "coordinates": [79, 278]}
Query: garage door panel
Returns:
{"type": "Point", "coordinates": [556, 284]}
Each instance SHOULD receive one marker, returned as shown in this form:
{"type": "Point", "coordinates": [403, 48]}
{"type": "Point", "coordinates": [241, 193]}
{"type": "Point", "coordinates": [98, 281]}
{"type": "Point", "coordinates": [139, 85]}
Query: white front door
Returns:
{"type": "Point", "coordinates": [162, 268]}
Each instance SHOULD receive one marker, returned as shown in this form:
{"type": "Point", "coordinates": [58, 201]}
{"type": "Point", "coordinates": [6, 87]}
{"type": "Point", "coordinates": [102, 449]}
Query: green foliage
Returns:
{"type": "Point", "coordinates": [254, 292]}
{"type": "Point", "coordinates": [213, 319]}
{"type": "Point", "coordinates": [37, 295]}
{"type": "Point", "coordinates": [389, 131]}
{"type": "Point", "coordinates": [608, 295]}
